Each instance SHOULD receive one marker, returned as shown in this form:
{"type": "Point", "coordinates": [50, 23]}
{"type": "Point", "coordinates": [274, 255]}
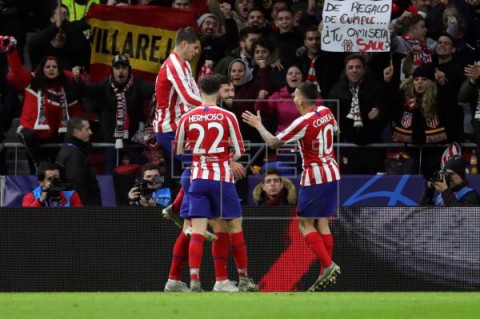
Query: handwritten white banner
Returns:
{"type": "Point", "coordinates": [356, 26]}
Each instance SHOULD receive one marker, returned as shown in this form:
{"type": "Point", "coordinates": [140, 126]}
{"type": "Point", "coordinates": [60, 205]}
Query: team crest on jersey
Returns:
{"type": "Point", "coordinates": [407, 119]}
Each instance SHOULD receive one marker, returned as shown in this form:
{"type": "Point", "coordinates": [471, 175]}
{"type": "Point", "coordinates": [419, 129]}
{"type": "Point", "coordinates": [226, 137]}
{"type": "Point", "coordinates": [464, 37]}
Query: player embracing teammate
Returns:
{"type": "Point", "coordinates": [317, 201]}
{"type": "Point", "coordinates": [208, 131]}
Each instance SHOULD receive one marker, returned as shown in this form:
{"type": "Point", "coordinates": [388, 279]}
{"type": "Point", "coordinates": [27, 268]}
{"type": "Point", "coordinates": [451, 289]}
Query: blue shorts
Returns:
{"type": "Point", "coordinates": [185, 182]}
{"type": "Point", "coordinates": [166, 141]}
{"type": "Point", "coordinates": [318, 200]}
{"type": "Point", "coordinates": [213, 199]}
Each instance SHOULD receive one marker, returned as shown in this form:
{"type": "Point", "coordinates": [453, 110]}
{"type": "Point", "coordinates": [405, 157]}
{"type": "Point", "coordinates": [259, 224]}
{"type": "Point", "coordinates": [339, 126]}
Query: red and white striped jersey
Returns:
{"type": "Point", "coordinates": [207, 130]}
{"type": "Point", "coordinates": [176, 92]}
{"type": "Point", "coordinates": [314, 133]}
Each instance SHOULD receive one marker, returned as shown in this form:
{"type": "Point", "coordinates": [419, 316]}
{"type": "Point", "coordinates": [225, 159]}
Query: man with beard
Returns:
{"type": "Point", "coordinates": [214, 45]}
{"type": "Point", "coordinates": [256, 19]}
{"type": "Point", "coordinates": [244, 51]}
{"type": "Point", "coordinates": [118, 100]}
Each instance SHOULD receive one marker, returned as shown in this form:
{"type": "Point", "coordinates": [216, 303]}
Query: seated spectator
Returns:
{"type": "Point", "coordinates": [451, 185]}
{"type": "Point", "coordinates": [148, 190]}
{"type": "Point", "coordinates": [73, 158]}
{"type": "Point", "coordinates": [119, 100]}
{"type": "Point", "coordinates": [275, 190]}
{"type": "Point", "coordinates": [52, 191]}
{"type": "Point", "coordinates": [63, 39]}
{"type": "Point", "coordinates": [49, 102]}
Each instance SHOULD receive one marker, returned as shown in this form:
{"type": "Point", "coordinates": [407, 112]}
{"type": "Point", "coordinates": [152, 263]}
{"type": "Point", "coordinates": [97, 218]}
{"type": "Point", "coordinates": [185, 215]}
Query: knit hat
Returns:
{"type": "Point", "coordinates": [425, 70]}
{"type": "Point", "coordinates": [204, 17]}
{"type": "Point", "coordinates": [120, 59]}
{"type": "Point", "coordinates": [458, 165]}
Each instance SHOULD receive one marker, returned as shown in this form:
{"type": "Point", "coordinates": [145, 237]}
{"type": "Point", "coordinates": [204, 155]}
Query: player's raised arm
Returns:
{"type": "Point", "coordinates": [256, 122]}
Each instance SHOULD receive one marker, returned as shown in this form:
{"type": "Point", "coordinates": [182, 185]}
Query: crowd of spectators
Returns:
{"type": "Point", "coordinates": [424, 91]}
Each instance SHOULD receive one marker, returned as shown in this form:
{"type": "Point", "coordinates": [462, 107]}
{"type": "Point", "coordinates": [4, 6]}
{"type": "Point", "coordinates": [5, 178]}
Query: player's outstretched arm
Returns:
{"type": "Point", "coordinates": [256, 122]}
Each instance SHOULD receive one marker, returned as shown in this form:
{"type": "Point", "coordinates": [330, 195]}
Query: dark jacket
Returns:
{"type": "Point", "coordinates": [328, 68]}
{"type": "Point", "coordinates": [106, 104]}
{"type": "Point", "coordinates": [369, 96]}
{"type": "Point", "coordinates": [73, 158]}
{"type": "Point", "coordinates": [76, 50]}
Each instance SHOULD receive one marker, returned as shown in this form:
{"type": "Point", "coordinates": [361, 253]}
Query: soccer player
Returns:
{"type": "Point", "coordinates": [176, 91]}
{"type": "Point", "coordinates": [208, 130]}
{"type": "Point", "coordinates": [317, 199]}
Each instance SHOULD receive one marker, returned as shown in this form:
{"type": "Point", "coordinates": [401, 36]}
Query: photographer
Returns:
{"type": "Point", "coordinates": [148, 190]}
{"type": "Point", "coordinates": [52, 191]}
{"type": "Point", "coordinates": [452, 186]}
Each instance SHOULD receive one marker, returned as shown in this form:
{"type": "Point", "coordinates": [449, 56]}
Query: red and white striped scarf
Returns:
{"type": "Point", "coordinates": [424, 56]}
{"type": "Point", "coordinates": [312, 75]}
{"type": "Point", "coordinates": [122, 120]}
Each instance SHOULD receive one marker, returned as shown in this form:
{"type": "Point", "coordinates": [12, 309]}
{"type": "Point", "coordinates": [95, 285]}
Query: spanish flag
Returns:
{"type": "Point", "coordinates": [146, 34]}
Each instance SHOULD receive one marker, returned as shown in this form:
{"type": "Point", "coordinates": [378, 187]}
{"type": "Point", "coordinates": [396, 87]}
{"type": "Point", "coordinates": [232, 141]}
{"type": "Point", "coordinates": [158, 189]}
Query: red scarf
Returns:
{"type": "Point", "coordinates": [312, 75]}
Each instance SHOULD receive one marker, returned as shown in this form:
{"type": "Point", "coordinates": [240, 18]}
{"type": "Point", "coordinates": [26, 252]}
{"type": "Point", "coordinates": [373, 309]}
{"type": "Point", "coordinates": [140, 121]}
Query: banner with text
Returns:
{"type": "Point", "coordinates": [145, 34]}
{"type": "Point", "coordinates": [356, 26]}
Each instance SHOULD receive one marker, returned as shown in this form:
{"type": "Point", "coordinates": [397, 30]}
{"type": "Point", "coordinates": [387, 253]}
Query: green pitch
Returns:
{"type": "Point", "coordinates": [328, 305]}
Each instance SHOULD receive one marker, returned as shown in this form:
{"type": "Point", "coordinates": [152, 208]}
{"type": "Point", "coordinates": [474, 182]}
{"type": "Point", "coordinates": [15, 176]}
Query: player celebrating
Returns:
{"type": "Point", "coordinates": [176, 90]}
{"type": "Point", "coordinates": [317, 199]}
{"type": "Point", "coordinates": [212, 194]}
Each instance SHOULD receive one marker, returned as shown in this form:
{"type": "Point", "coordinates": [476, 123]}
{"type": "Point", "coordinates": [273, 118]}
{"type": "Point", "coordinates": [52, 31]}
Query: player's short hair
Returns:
{"type": "Point", "coordinates": [75, 123]}
{"type": "Point", "coordinates": [309, 91]}
{"type": "Point", "coordinates": [150, 167]}
{"type": "Point", "coordinates": [223, 79]}
{"type": "Point", "coordinates": [210, 84]}
{"type": "Point", "coordinates": [271, 171]}
{"type": "Point", "coordinates": [187, 34]}
{"type": "Point", "coordinates": [45, 166]}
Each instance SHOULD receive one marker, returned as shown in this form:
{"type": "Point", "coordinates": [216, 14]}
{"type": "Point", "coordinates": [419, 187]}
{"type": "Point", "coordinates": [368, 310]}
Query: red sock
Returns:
{"type": "Point", "coordinates": [180, 255]}
{"type": "Point", "coordinates": [195, 254]}
{"type": "Point", "coordinates": [315, 243]}
{"type": "Point", "coordinates": [178, 201]}
{"type": "Point", "coordinates": [220, 256]}
{"type": "Point", "coordinates": [239, 250]}
{"type": "Point", "coordinates": [328, 242]}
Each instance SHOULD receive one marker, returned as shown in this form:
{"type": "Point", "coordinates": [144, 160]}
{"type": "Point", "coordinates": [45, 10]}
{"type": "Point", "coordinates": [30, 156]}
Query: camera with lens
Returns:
{"type": "Point", "coordinates": [56, 186]}
{"type": "Point", "coordinates": [439, 176]}
{"type": "Point", "coordinates": [147, 187]}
